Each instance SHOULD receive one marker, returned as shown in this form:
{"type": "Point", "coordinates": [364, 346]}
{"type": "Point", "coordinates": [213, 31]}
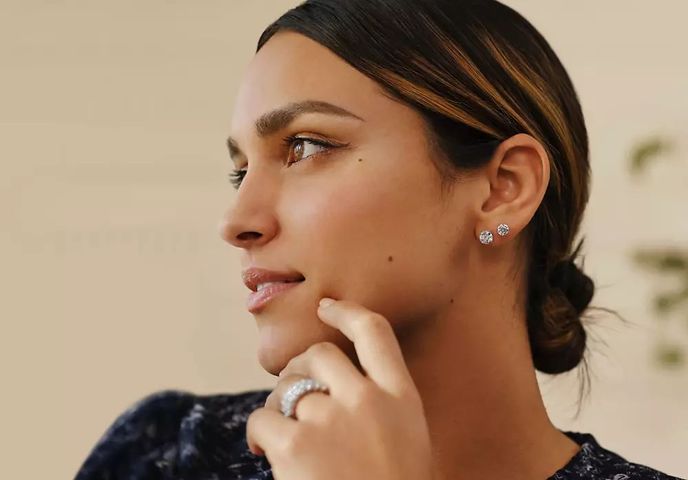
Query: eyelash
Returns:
{"type": "Point", "coordinates": [237, 176]}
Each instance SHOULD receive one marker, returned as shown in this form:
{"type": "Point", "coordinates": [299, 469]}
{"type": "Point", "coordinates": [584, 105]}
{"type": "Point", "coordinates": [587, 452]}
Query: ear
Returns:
{"type": "Point", "coordinates": [518, 175]}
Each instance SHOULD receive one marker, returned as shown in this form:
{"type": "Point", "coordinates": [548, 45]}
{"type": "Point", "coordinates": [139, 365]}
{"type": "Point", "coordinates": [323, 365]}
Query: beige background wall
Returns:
{"type": "Point", "coordinates": [115, 282]}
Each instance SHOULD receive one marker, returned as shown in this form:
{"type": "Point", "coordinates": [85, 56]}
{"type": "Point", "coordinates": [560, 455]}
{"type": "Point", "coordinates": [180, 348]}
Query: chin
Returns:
{"type": "Point", "coordinates": [269, 364]}
{"type": "Point", "coordinates": [277, 346]}
{"type": "Point", "coordinates": [274, 352]}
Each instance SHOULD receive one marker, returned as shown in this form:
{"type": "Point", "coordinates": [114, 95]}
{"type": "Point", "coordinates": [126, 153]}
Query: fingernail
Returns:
{"type": "Point", "coordinates": [324, 302]}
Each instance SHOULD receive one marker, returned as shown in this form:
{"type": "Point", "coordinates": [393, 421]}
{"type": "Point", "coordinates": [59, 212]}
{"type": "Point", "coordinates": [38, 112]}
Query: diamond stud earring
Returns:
{"type": "Point", "coordinates": [486, 237]}
{"type": "Point", "coordinates": [503, 230]}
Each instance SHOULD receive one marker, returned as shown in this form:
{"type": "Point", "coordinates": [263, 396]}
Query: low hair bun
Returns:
{"type": "Point", "coordinates": [557, 300]}
{"type": "Point", "coordinates": [558, 346]}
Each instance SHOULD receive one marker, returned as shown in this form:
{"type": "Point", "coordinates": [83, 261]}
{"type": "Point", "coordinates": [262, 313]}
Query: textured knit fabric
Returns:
{"type": "Point", "coordinates": [173, 434]}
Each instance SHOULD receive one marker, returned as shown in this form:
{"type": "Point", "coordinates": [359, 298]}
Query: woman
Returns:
{"type": "Point", "coordinates": [425, 164]}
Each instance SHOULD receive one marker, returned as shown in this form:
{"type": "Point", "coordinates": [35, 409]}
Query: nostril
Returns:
{"type": "Point", "coordinates": [248, 235]}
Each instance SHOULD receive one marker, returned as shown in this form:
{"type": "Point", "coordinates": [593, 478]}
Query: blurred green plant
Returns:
{"type": "Point", "coordinates": [669, 262]}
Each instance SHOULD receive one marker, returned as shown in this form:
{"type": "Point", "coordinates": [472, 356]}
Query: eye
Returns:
{"type": "Point", "coordinates": [237, 176]}
{"type": "Point", "coordinates": [301, 142]}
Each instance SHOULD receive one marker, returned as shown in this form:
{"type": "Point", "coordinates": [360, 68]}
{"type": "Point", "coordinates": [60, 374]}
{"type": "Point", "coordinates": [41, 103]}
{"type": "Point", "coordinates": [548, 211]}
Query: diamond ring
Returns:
{"type": "Point", "coordinates": [297, 390]}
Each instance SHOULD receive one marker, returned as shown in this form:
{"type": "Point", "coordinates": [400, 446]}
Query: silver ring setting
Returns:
{"type": "Point", "coordinates": [297, 390]}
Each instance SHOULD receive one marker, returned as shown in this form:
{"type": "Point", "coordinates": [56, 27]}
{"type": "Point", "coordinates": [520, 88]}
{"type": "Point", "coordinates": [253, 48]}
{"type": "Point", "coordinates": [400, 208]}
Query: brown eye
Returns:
{"type": "Point", "coordinates": [299, 146]}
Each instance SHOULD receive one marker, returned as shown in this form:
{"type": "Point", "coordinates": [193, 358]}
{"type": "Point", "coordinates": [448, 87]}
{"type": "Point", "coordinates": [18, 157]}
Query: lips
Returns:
{"type": "Point", "coordinates": [277, 283]}
{"type": "Point", "coordinates": [253, 277]}
{"type": "Point", "coordinates": [257, 300]}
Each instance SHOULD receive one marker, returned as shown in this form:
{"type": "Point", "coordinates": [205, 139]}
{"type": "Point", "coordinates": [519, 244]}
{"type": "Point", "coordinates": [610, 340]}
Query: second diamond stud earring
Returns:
{"type": "Point", "coordinates": [503, 230]}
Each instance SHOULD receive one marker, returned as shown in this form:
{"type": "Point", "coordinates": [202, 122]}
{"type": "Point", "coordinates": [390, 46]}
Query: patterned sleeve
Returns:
{"type": "Point", "coordinates": [173, 434]}
{"type": "Point", "coordinates": [595, 462]}
{"type": "Point", "coordinates": [137, 443]}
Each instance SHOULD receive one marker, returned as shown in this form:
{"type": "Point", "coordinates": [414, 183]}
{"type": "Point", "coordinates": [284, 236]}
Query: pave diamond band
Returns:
{"type": "Point", "coordinates": [297, 390]}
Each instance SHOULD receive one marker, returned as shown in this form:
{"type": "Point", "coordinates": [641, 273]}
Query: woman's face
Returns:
{"type": "Point", "coordinates": [361, 221]}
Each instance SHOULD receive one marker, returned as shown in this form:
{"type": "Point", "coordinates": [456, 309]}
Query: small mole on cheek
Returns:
{"type": "Point", "coordinates": [390, 259]}
{"type": "Point", "coordinates": [451, 301]}
{"type": "Point", "coordinates": [360, 159]}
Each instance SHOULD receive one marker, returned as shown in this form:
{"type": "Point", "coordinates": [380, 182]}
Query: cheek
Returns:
{"type": "Point", "coordinates": [374, 241]}
{"type": "Point", "coordinates": [343, 229]}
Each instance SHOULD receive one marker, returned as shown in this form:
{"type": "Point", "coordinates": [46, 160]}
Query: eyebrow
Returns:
{"type": "Point", "coordinates": [280, 118]}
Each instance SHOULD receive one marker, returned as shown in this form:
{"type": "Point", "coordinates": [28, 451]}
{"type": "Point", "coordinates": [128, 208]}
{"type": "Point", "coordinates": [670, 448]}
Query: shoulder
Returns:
{"type": "Point", "coordinates": [593, 461]}
{"type": "Point", "coordinates": [172, 433]}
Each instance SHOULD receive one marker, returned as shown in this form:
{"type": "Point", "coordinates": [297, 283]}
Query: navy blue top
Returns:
{"type": "Point", "coordinates": [174, 435]}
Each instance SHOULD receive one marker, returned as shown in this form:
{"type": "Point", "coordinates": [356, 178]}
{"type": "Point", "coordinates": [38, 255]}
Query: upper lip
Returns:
{"type": "Point", "coordinates": [253, 277]}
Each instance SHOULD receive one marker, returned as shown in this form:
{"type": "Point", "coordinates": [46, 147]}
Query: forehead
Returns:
{"type": "Point", "coordinates": [292, 68]}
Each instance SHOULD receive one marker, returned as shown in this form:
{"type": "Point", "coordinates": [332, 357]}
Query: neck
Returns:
{"type": "Point", "coordinates": [481, 398]}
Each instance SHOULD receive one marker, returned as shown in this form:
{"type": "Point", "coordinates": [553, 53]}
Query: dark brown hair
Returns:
{"type": "Point", "coordinates": [478, 72]}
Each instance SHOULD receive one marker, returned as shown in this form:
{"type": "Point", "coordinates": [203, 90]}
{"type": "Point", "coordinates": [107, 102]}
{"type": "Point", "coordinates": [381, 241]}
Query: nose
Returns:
{"type": "Point", "coordinates": [247, 225]}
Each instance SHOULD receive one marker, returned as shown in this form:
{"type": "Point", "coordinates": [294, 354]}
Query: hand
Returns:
{"type": "Point", "coordinates": [367, 427]}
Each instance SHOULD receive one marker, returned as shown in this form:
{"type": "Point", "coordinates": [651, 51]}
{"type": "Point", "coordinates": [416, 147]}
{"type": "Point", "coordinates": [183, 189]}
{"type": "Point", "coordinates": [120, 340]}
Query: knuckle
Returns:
{"type": "Point", "coordinates": [322, 348]}
{"type": "Point", "coordinates": [378, 323]}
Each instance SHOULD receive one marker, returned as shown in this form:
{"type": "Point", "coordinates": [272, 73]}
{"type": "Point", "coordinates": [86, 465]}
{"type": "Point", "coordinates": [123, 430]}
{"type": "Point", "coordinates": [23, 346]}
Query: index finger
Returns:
{"type": "Point", "coordinates": [376, 344]}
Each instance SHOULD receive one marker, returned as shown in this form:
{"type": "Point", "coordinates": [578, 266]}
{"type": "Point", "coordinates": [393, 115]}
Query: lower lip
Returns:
{"type": "Point", "coordinates": [256, 300]}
